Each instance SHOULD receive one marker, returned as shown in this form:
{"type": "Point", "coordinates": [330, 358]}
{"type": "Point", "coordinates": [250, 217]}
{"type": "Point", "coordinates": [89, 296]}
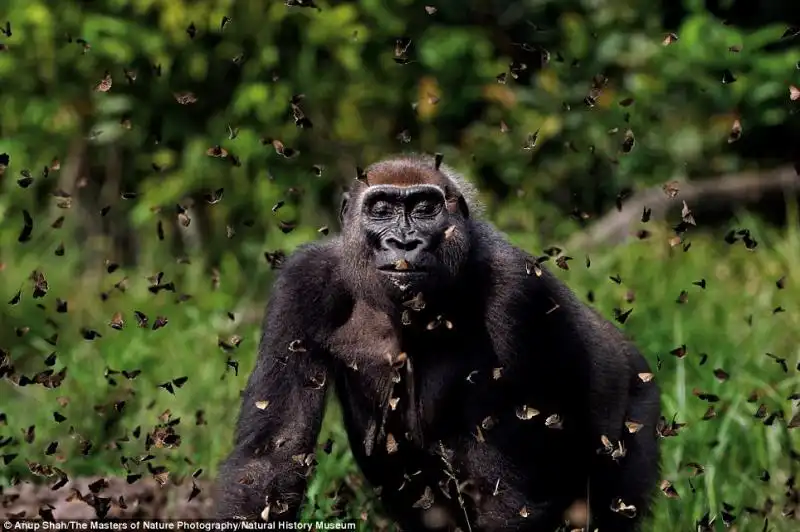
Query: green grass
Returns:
{"type": "Point", "coordinates": [740, 283]}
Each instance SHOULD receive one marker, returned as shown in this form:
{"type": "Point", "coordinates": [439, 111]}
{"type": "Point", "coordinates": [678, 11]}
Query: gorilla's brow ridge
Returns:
{"type": "Point", "coordinates": [374, 189]}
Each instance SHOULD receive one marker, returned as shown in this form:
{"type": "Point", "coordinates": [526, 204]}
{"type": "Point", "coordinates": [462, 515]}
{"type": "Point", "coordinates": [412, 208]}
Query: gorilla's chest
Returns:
{"type": "Point", "coordinates": [411, 383]}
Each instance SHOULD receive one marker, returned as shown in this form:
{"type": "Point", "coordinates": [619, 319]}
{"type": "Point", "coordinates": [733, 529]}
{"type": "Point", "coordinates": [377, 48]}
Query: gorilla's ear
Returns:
{"type": "Point", "coordinates": [462, 204]}
{"type": "Point", "coordinates": [343, 207]}
{"type": "Point", "coordinates": [454, 199]}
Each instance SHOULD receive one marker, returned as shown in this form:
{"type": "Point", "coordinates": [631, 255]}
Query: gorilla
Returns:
{"type": "Point", "coordinates": [478, 392]}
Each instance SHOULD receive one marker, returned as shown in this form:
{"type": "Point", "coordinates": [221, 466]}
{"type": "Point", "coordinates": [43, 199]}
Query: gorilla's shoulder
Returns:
{"type": "Point", "coordinates": [506, 262]}
{"type": "Point", "coordinates": [511, 271]}
{"type": "Point", "coordinates": [521, 296]}
{"type": "Point", "coordinates": [311, 266]}
{"type": "Point", "coordinates": [308, 291]}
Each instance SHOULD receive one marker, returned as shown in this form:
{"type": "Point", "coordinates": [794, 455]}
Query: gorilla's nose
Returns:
{"type": "Point", "coordinates": [403, 244]}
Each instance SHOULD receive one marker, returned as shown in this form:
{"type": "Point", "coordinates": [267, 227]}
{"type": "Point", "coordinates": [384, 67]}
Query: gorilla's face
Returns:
{"type": "Point", "coordinates": [407, 231]}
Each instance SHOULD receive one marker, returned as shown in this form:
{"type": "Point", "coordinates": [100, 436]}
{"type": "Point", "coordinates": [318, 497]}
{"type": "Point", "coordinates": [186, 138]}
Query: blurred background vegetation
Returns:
{"type": "Point", "coordinates": [206, 139]}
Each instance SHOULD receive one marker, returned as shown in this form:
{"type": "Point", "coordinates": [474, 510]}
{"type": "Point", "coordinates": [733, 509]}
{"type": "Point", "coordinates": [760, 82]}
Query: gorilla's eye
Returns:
{"type": "Point", "coordinates": [381, 209]}
{"type": "Point", "coordinates": [425, 209]}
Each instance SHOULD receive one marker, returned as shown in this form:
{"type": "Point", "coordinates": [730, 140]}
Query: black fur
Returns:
{"type": "Point", "coordinates": [457, 420]}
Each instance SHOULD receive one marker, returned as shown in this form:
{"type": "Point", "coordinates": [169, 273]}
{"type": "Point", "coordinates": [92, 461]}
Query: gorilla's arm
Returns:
{"type": "Point", "coordinates": [616, 395]}
{"type": "Point", "coordinates": [569, 343]}
{"type": "Point", "coordinates": [283, 402]}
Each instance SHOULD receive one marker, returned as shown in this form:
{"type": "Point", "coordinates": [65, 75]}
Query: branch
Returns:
{"type": "Point", "coordinates": [617, 226]}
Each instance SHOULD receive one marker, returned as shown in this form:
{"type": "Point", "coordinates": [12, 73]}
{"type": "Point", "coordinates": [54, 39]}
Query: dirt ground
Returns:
{"type": "Point", "coordinates": [85, 498]}
{"type": "Point", "coordinates": [89, 497]}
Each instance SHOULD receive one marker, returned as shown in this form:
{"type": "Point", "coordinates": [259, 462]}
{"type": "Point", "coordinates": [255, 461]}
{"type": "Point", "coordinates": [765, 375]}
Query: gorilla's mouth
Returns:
{"type": "Point", "coordinates": [401, 267]}
{"type": "Point", "coordinates": [392, 269]}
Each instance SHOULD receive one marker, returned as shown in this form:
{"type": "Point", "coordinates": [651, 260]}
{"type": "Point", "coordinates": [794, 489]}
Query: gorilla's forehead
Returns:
{"type": "Point", "coordinates": [402, 173]}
